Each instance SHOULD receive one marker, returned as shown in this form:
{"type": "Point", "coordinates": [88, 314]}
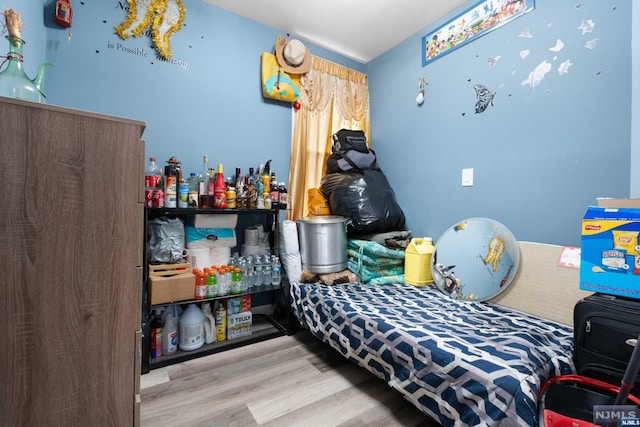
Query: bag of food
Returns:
{"type": "Point", "coordinates": [165, 244]}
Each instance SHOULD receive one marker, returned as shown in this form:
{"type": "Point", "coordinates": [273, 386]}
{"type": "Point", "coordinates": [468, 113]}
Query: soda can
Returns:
{"type": "Point", "coordinates": [183, 194]}
{"type": "Point", "coordinates": [148, 198]}
{"type": "Point", "coordinates": [158, 198]}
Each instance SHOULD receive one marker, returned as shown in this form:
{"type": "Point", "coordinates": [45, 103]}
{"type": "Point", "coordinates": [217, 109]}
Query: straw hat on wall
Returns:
{"type": "Point", "coordinates": [293, 56]}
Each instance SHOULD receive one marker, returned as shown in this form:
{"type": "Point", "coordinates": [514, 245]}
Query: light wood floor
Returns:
{"type": "Point", "coordinates": [288, 381]}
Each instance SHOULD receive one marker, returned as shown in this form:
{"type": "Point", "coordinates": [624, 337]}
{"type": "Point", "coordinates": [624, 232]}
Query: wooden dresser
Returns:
{"type": "Point", "coordinates": [72, 206]}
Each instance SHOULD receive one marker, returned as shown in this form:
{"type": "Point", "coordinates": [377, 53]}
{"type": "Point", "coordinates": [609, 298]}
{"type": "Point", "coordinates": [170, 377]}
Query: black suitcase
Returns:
{"type": "Point", "coordinates": [606, 329]}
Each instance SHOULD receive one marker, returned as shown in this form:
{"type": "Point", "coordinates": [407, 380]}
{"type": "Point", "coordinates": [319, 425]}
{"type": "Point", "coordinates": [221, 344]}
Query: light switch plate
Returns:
{"type": "Point", "coordinates": [467, 177]}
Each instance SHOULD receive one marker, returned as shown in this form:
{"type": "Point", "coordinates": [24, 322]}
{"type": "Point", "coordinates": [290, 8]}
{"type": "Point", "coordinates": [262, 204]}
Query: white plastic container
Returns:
{"type": "Point", "coordinates": [209, 323]}
{"type": "Point", "coordinates": [170, 332]}
{"type": "Point", "coordinates": [191, 329]}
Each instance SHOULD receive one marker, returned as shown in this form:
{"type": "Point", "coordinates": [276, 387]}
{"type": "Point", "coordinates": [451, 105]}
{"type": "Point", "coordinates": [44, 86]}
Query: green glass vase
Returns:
{"type": "Point", "coordinates": [14, 83]}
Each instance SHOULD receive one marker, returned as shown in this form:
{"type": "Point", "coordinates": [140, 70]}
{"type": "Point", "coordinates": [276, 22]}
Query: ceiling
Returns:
{"type": "Point", "coordinates": [357, 29]}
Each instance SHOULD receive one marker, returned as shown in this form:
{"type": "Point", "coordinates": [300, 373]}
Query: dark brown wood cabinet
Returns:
{"type": "Point", "coordinates": [71, 251]}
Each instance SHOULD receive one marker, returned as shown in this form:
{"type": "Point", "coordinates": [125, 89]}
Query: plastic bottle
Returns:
{"type": "Point", "coordinates": [236, 281]}
{"type": "Point", "coordinates": [170, 331]}
{"type": "Point", "coordinates": [266, 272]}
{"type": "Point", "coordinates": [201, 286]}
{"type": "Point", "coordinates": [249, 273]}
{"type": "Point", "coordinates": [220, 190]}
{"type": "Point", "coordinates": [156, 333]}
{"type": "Point", "coordinates": [227, 279]}
{"type": "Point", "coordinates": [191, 329]}
{"type": "Point", "coordinates": [152, 177]}
{"type": "Point", "coordinates": [171, 179]}
{"type": "Point", "coordinates": [257, 272]}
{"type": "Point", "coordinates": [275, 192]}
{"type": "Point", "coordinates": [192, 182]}
{"type": "Point", "coordinates": [212, 284]}
{"type": "Point", "coordinates": [231, 197]}
{"type": "Point", "coordinates": [221, 322]}
{"type": "Point", "coordinates": [203, 183]}
{"type": "Point", "coordinates": [209, 323]}
{"type": "Point", "coordinates": [276, 271]}
{"type": "Point", "coordinates": [284, 196]}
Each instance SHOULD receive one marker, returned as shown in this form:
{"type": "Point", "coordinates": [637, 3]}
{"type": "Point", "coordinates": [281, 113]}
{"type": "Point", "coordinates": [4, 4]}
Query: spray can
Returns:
{"type": "Point", "coordinates": [221, 323]}
{"type": "Point", "coordinates": [156, 334]}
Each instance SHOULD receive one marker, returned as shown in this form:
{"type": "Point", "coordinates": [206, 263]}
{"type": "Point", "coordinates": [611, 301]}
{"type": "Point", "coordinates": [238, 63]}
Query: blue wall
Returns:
{"type": "Point", "coordinates": [540, 156]}
{"type": "Point", "coordinates": [208, 101]}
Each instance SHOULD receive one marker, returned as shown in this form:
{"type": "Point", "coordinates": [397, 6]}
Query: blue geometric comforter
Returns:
{"type": "Point", "coordinates": [462, 363]}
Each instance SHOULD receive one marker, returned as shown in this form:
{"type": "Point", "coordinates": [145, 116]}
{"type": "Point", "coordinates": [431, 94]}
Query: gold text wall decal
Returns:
{"type": "Point", "coordinates": [165, 17]}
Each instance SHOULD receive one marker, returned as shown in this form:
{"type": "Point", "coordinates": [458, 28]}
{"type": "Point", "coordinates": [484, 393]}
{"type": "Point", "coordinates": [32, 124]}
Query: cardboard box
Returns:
{"type": "Point", "coordinates": [606, 202]}
{"type": "Point", "coordinates": [238, 304]}
{"type": "Point", "coordinates": [171, 283]}
{"type": "Point", "coordinates": [610, 252]}
{"type": "Point", "coordinates": [239, 325]}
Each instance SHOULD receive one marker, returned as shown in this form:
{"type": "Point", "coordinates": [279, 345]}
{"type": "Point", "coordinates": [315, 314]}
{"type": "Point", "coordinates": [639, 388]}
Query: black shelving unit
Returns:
{"type": "Point", "coordinates": [264, 326]}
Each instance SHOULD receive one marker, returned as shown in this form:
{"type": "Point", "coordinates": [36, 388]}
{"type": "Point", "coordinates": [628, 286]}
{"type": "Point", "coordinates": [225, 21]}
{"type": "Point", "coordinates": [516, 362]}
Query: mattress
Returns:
{"type": "Point", "coordinates": [461, 363]}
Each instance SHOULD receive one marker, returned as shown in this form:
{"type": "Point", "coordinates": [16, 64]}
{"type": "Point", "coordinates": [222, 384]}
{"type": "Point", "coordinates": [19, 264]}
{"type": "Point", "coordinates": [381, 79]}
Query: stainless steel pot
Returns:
{"type": "Point", "coordinates": [323, 243]}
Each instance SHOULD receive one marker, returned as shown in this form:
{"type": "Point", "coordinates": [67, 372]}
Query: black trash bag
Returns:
{"type": "Point", "coordinates": [366, 199]}
{"type": "Point", "coordinates": [166, 237]}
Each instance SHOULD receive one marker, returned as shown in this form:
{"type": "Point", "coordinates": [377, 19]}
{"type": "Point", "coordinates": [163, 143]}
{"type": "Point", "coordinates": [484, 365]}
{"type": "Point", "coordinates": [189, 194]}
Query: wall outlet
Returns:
{"type": "Point", "coordinates": [467, 177]}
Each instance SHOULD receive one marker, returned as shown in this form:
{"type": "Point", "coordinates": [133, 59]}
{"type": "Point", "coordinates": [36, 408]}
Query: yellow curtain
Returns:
{"type": "Point", "coordinates": [332, 97]}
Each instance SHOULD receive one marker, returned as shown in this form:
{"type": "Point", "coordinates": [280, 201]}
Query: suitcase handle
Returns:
{"type": "Point", "coordinates": [579, 379]}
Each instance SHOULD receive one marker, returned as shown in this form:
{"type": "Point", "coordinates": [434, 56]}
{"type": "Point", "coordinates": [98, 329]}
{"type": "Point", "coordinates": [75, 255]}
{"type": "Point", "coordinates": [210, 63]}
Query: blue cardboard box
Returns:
{"type": "Point", "coordinates": [610, 253]}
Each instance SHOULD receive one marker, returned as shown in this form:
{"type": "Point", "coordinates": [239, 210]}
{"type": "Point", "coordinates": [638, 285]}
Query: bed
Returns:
{"type": "Point", "coordinates": [461, 363]}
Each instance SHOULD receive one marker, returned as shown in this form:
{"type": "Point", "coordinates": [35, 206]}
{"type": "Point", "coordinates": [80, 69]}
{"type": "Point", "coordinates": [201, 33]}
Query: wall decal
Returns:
{"type": "Point", "coordinates": [586, 26]}
{"type": "Point", "coordinates": [164, 16]}
{"type": "Point", "coordinates": [537, 75]}
{"type": "Point", "coordinates": [525, 33]}
{"type": "Point", "coordinates": [492, 60]}
{"type": "Point", "coordinates": [591, 44]}
{"type": "Point", "coordinates": [558, 46]}
{"type": "Point", "coordinates": [476, 21]}
{"type": "Point", "coordinates": [485, 97]}
{"type": "Point", "coordinates": [564, 67]}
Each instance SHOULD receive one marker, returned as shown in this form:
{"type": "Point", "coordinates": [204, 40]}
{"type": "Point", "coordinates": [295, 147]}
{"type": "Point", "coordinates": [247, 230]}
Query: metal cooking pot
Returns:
{"type": "Point", "coordinates": [323, 243]}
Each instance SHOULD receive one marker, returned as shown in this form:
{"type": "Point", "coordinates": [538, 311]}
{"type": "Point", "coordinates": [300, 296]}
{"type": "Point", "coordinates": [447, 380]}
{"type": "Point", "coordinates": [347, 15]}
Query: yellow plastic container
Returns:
{"type": "Point", "coordinates": [417, 261]}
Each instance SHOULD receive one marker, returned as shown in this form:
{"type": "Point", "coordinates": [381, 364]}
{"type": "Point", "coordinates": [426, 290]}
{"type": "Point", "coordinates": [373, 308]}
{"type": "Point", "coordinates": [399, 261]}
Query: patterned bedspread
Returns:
{"type": "Point", "coordinates": [462, 363]}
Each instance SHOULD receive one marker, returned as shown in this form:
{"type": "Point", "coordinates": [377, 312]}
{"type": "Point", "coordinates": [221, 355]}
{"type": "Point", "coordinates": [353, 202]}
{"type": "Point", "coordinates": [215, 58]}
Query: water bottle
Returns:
{"type": "Point", "coordinates": [223, 284]}
{"type": "Point", "coordinates": [257, 271]}
{"type": "Point", "coordinates": [266, 272]}
{"type": "Point", "coordinates": [249, 273]}
{"type": "Point", "coordinates": [276, 274]}
{"type": "Point", "coordinates": [242, 265]}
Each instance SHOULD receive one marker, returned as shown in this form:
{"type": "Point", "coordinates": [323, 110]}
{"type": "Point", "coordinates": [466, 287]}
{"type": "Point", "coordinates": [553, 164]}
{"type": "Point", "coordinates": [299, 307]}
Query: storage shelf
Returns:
{"type": "Point", "coordinates": [271, 300]}
{"type": "Point", "coordinates": [182, 211]}
{"type": "Point", "coordinates": [222, 297]}
{"type": "Point", "coordinates": [262, 328]}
